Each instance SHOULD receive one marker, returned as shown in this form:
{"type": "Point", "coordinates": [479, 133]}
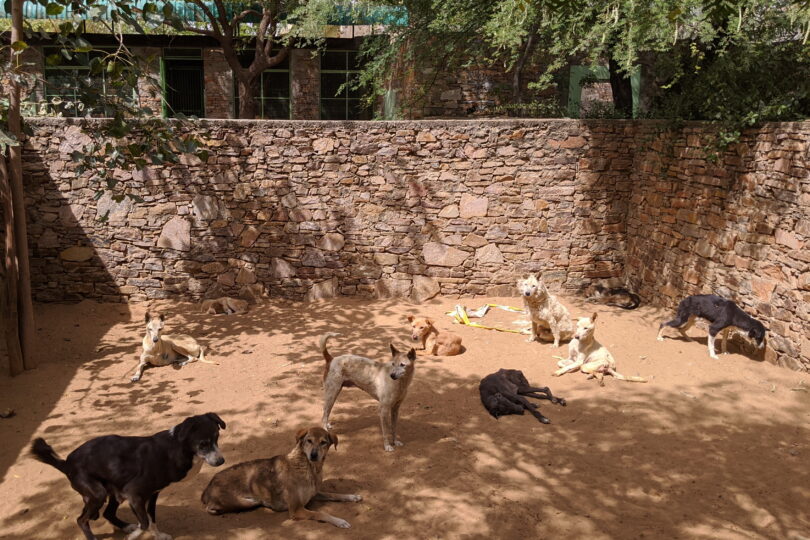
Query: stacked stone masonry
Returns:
{"type": "Point", "coordinates": [412, 209]}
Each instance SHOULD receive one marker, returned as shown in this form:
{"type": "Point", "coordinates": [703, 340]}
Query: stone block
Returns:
{"type": "Point", "coordinates": [176, 234]}
{"type": "Point", "coordinates": [442, 255]}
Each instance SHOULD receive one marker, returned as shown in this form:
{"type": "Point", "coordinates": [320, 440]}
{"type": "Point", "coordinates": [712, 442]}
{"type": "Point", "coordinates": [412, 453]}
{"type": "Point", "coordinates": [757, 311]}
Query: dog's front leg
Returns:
{"type": "Point", "coordinates": [387, 429]}
{"type": "Point", "coordinates": [337, 497]}
{"type": "Point", "coordinates": [533, 336]}
{"type": "Point", "coordinates": [139, 369]}
{"type": "Point", "coordinates": [303, 513]}
{"type": "Point", "coordinates": [394, 420]}
{"type": "Point", "coordinates": [569, 368]}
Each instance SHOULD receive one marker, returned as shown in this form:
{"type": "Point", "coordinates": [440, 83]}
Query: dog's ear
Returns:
{"type": "Point", "coordinates": [410, 318]}
{"type": "Point", "coordinates": [300, 434]}
{"type": "Point", "coordinates": [412, 354]}
{"type": "Point", "coordinates": [162, 317]}
{"type": "Point", "coordinates": [333, 439]}
{"type": "Point", "coordinates": [394, 350]}
{"type": "Point", "coordinates": [147, 317]}
{"type": "Point", "coordinates": [215, 417]}
{"type": "Point", "coordinates": [430, 321]}
{"type": "Point", "coordinates": [593, 317]}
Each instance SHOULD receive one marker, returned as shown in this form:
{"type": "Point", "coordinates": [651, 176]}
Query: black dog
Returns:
{"type": "Point", "coordinates": [721, 313]}
{"type": "Point", "coordinates": [502, 393]}
{"type": "Point", "coordinates": [134, 468]}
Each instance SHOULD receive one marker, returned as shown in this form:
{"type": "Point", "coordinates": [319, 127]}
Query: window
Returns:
{"type": "Point", "coordinates": [71, 89]}
{"type": "Point", "coordinates": [338, 69]}
{"type": "Point", "coordinates": [183, 82]}
{"type": "Point", "coordinates": [273, 100]}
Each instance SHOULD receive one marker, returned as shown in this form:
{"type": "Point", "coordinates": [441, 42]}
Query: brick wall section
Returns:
{"type": "Point", "coordinates": [305, 81]}
{"type": "Point", "coordinates": [150, 93]}
{"type": "Point", "coordinates": [461, 207]}
{"type": "Point", "coordinates": [219, 85]}
{"type": "Point", "coordinates": [739, 227]}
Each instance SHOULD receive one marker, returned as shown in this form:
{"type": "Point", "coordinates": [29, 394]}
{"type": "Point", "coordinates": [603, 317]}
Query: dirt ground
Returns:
{"type": "Point", "coordinates": [707, 449]}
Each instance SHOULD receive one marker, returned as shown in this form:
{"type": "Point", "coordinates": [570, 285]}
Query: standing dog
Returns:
{"type": "Point", "coordinates": [721, 313]}
{"type": "Point", "coordinates": [590, 356]}
{"type": "Point", "coordinates": [161, 349]}
{"type": "Point", "coordinates": [547, 314]}
{"type": "Point", "coordinates": [434, 342]}
{"type": "Point", "coordinates": [135, 469]}
{"type": "Point", "coordinates": [387, 382]}
{"type": "Point", "coordinates": [502, 393]}
{"type": "Point", "coordinates": [279, 483]}
{"type": "Point", "coordinates": [225, 304]}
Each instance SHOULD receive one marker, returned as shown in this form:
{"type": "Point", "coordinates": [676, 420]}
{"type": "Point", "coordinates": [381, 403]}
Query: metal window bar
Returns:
{"type": "Point", "coordinates": [351, 105]}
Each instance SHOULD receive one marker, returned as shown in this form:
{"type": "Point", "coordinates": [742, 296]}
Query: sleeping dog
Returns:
{"type": "Point", "coordinates": [721, 313]}
{"type": "Point", "coordinates": [502, 393]}
{"type": "Point", "coordinates": [116, 468]}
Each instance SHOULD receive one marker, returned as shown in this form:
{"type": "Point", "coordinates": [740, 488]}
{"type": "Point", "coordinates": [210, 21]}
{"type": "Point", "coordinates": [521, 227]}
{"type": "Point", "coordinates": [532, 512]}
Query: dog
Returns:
{"type": "Point", "coordinates": [387, 382]}
{"type": "Point", "coordinates": [502, 393]}
{"type": "Point", "coordinates": [225, 304]}
{"type": "Point", "coordinates": [281, 483]}
{"type": "Point", "coordinates": [135, 469]}
{"type": "Point", "coordinates": [434, 342]}
{"type": "Point", "coordinates": [547, 314]}
{"type": "Point", "coordinates": [161, 349]}
{"type": "Point", "coordinates": [721, 313]}
{"type": "Point", "coordinates": [589, 356]}
{"type": "Point", "coordinates": [598, 293]}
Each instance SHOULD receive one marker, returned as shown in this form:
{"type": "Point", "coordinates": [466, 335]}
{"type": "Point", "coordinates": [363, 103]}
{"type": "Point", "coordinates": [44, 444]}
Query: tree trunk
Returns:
{"type": "Point", "coordinates": [622, 89]}
{"type": "Point", "coordinates": [9, 305]}
{"type": "Point", "coordinates": [24, 303]}
{"type": "Point", "coordinates": [517, 75]}
{"type": "Point", "coordinates": [248, 92]}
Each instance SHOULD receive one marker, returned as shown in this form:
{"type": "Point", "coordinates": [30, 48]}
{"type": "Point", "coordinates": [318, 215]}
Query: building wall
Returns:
{"type": "Point", "coordinates": [459, 207]}
{"type": "Point", "coordinates": [150, 91]}
{"type": "Point", "coordinates": [219, 85]}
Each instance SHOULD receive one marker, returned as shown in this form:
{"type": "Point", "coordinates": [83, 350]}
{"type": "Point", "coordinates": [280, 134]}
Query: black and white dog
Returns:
{"type": "Point", "coordinates": [502, 393]}
{"type": "Point", "coordinates": [135, 469]}
{"type": "Point", "coordinates": [721, 313]}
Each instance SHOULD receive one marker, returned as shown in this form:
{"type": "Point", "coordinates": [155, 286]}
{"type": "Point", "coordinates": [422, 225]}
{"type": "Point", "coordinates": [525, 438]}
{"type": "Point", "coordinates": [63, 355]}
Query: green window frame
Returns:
{"type": "Point", "coordinates": [275, 89]}
{"type": "Point", "coordinates": [64, 82]}
{"type": "Point", "coordinates": [600, 73]}
{"type": "Point", "coordinates": [338, 69]}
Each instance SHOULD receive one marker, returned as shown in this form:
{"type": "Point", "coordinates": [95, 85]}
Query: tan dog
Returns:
{"type": "Point", "coordinates": [590, 356]}
{"type": "Point", "coordinates": [434, 342]}
{"type": "Point", "coordinates": [225, 304]}
{"type": "Point", "coordinates": [547, 314]}
{"type": "Point", "coordinates": [387, 382]}
{"type": "Point", "coordinates": [281, 483]}
{"type": "Point", "coordinates": [161, 349]}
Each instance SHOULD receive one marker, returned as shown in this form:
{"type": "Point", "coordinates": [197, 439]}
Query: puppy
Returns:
{"type": "Point", "coordinates": [721, 313]}
{"type": "Point", "coordinates": [547, 314]}
{"type": "Point", "coordinates": [387, 382]}
{"type": "Point", "coordinates": [115, 468]}
{"type": "Point", "coordinates": [161, 349]}
{"type": "Point", "coordinates": [434, 342]}
{"type": "Point", "coordinates": [281, 483]}
{"type": "Point", "coordinates": [612, 296]}
{"type": "Point", "coordinates": [590, 356]}
{"type": "Point", "coordinates": [502, 393]}
{"type": "Point", "coordinates": [225, 304]}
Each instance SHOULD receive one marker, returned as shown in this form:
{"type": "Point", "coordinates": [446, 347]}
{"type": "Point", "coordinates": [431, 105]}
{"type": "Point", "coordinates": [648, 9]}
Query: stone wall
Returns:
{"type": "Point", "coordinates": [738, 227]}
{"type": "Point", "coordinates": [310, 209]}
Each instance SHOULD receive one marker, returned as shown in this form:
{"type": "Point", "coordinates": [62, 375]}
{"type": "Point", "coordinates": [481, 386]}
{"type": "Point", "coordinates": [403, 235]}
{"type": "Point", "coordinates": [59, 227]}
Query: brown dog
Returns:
{"type": "Point", "coordinates": [280, 483]}
{"type": "Point", "coordinates": [225, 304]}
{"type": "Point", "coordinates": [434, 342]}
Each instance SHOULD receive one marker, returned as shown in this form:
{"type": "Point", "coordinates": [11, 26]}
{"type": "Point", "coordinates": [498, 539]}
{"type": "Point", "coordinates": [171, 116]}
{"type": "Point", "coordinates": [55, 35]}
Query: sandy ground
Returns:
{"type": "Point", "coordinates": [706, 449]}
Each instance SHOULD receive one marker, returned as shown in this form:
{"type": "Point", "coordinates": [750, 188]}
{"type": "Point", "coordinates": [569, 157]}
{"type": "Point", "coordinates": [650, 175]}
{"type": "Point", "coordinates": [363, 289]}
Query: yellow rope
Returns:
{"type": "Point", "coordinates": [460, 316]}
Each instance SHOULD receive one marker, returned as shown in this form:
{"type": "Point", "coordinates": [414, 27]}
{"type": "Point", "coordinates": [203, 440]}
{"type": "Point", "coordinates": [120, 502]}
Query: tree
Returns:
{"type": "Point", "coordinates": [121, 143]}
{"type": "Point", "coordinates": [259, 24]}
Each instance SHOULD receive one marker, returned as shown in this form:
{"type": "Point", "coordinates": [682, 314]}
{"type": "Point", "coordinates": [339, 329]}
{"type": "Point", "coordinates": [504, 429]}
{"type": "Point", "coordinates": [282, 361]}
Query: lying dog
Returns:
{"type": "Point", "coordinates": [434, 342]}
{"type": "Point", "coordinates": [502, 393]}
{"type": "Point", "coordinates": [387, 382]}
{"type": "Point", "coordinates": [612, 296]}
{"type": "Point", "coordinates": [161, 349]}
{"type": "Point", "coordinates": [225, 304]}
{"type": "Point", "coordinates": [281, 483]}
{"type": "Point", "coordinates": [115, 468]}
{"type": "Point", "coordinates": [721, 313]}
{"type": "Point", "coordinates": [547, 314]}
{"type": "Point", "coordinates": [590, 356]}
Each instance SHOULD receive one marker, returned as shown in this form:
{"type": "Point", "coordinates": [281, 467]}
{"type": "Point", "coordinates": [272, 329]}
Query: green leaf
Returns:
{"type": "Point", "coordinates": [54, 9]}
{"type": "Point", "coordinates": [19, 46]}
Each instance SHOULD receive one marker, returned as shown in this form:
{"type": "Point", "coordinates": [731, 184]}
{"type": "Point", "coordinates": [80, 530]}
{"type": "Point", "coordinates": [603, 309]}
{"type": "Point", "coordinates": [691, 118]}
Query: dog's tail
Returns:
{"type": "Point", "coordinates": [202, 357]}
{"type": "Point", "coordinates": [322, 347]}
{"type": "Point", "coordinates": [633, 300]}
{"type": "Point", "coordinates": [43, 452]}
{"type": "Point", "coordinates": [621, 377]}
